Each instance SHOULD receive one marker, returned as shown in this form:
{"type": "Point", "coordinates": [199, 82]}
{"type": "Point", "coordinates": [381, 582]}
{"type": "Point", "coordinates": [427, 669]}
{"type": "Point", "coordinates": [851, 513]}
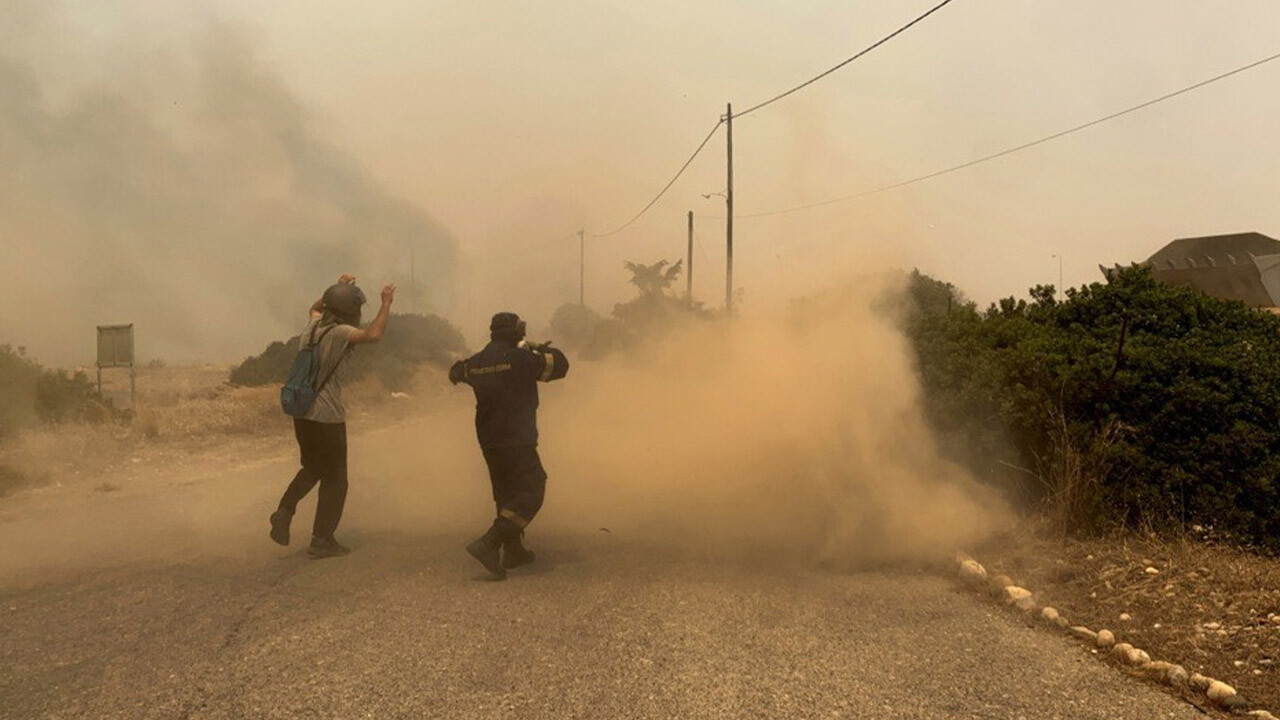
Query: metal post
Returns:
{"type": "Point", "coordinates": [728, 201]}
{"type": "Point", "coordinates": [582, 267]}
{"type": "Point", "coordinates": [689, 265]}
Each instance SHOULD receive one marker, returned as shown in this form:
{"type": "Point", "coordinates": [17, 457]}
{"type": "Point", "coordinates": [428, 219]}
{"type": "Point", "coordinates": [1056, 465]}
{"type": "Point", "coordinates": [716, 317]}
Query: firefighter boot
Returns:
{"type": "Point", "coordinates": [514, 553]}
{"type": "Point", "coordinates": [488, 549]}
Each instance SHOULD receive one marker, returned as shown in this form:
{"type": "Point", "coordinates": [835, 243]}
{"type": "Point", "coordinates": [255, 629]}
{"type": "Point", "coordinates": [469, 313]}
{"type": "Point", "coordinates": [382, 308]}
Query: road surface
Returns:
{"type": "Point", "coordinates": [166, 600]}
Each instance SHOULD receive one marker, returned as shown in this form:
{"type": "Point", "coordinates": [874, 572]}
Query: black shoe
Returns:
{"type": "Point", "coordinates": [280, 520]}
{"type": "Point", "coordinates": [326, 548]}
{"type": "Point", "coordinates": [488, 551]}
{"type": "Point", "coordinates": [515, 554]}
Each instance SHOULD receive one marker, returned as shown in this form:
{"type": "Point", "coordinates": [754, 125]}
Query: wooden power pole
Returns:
{"type": "Point", "coordinates": [582, 267]}
{"type": "Point", "coordinates": [728, 201]}
{"type": "Point", "coordinates": [689, 265]}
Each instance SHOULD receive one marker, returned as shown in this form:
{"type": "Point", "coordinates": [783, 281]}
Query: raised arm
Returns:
{"type": "Point", "coordinates": [373, 333]}
{"type": "Point", "coordinates": [551, 364]}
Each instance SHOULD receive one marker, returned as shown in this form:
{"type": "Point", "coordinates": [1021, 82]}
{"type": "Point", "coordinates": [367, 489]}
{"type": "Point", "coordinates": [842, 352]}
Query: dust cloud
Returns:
{"type": "Point", "coordinates": [799, 433]}
{"type": "Point", "coordinates": [796, 438]}
{"type": "Point", "coordinates": [180, 185]}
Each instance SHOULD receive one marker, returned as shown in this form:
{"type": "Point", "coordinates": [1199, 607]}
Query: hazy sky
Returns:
{"type": "Point", "coordinates": [513, 124]}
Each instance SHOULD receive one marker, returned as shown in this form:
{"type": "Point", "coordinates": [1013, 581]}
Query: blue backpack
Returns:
{"type": "Point", "coordinates": [300, 390]}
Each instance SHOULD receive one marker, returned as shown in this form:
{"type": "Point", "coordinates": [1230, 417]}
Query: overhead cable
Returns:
{"type": "Point", "coordinates": [862, 52]}
{"type": "Point", "coordinates": [1019, 148]}
{"type": "Point", "coordinates": [666, 187]}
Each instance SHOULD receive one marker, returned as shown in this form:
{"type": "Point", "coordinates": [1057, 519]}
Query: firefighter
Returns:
{"type": "Point", "coordinates": [505, 377]}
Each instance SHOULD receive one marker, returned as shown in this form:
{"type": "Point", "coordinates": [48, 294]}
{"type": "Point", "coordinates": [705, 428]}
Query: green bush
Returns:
{"type": "Point", "coordinates": [19, 375]}
{"type": "Point", "coordinates": [1169, 399]}
{"type": "Point", "coordinates": [409, 342]}
{"type": "Point", "coordinates": [33, 394]}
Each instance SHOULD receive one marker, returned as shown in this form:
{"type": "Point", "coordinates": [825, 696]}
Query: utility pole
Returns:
{"type": "Point", "coordinates": [728, 201]}
{"type": "Point", "coordinates": [413, 282]}
{"type": "Point", "coordinates": [688, 293]}
{"type": "Point", "coordinates": [1059, 288]}
{"type": "Point", "coordinates": [582, 267]}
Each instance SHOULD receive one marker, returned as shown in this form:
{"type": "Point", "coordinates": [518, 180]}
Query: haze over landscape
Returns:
{"type": "Point", "coordinates": [256, 134]}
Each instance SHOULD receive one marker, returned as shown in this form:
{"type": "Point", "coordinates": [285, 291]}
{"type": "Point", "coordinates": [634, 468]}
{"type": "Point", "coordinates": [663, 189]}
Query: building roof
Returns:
{"type": "Point", "coordinates": [1213, 250]}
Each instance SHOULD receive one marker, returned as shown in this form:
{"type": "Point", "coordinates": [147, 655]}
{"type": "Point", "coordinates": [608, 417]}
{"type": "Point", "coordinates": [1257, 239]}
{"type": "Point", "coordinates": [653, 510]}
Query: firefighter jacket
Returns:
{"type": "Point", "coordinates": [505, 380]}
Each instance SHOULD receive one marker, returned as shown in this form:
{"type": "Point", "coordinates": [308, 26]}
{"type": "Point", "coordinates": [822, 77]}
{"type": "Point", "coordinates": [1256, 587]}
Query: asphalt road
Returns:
{"type": "Point", "coordinates": [165, 599]}
{"type": "Point", "coordinates": [406, 628]}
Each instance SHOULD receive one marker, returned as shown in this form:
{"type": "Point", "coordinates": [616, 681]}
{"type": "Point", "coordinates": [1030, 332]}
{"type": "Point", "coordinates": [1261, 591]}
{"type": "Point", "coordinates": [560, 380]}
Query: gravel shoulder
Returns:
{"type": "Point", "coordinates": [1213, 608]}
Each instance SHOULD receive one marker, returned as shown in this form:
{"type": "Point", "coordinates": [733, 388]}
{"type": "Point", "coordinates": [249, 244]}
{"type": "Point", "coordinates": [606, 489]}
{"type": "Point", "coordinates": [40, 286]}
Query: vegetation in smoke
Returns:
{"type": "Point", "coordinates": [411, 341]}
{"type": "Point", "coordinates": [1129, 402]}
{"type": "Point", "coordinates": [34, 394]}
{"type": "Point", "coordinates": [654, 311]}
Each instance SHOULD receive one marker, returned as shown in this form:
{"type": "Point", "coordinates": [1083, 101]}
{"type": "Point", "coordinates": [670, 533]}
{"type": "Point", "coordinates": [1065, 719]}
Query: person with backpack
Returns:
{"type": "Point", "coordinates": [505, 377]}
{"type": "Point", "coordinates": [313, 397]}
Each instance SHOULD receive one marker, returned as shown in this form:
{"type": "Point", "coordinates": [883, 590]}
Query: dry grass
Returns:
{"type": "Point", "coordinates": [1210, 608]}
{"type": "Point", "coordinates": [179, 410]}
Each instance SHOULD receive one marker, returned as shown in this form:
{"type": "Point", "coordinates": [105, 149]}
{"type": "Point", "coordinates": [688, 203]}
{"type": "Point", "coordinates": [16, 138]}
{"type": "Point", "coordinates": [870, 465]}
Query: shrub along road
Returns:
{"type": "Point", "coordinates": [176, 605]}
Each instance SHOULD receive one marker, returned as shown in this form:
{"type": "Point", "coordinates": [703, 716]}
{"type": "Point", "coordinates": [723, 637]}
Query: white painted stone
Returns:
{"type": "Point", "coordinates": [1219, 691]}
{"type": "Point", "coordinates": [1084, 633]}
{"type": "Point", "coordinates": [1106, 639]}
{"type": "Point", "coordinates": [1013, 594]}
{"type": "Point", "coordinates": [973, 573]}
{"type": "Point", "coordinates": [1136, 656]}
{"type": "Point", "coordinates": [1049, 614]}
{"type": "Point", "coordinates": [1199, 682]}
{"type": "Point", "coordinates": [1176, 676]}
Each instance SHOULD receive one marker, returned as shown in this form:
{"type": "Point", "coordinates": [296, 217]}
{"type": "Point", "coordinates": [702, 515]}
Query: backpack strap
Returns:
{"type": "Point", "coordinates": [314, 341]}
{"type": "Point", "coordinates": [333, 370]}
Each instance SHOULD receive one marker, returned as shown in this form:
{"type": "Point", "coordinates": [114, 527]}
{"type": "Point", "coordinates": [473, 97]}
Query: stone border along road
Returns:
{"type": "Point", "coordinates": [1218, 693]}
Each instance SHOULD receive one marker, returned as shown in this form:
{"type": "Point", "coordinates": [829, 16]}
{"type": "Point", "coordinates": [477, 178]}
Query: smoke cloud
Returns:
{"type": "Point", "coordinates": [185, 190]}
{"type": "Point", "coordinates": [797, 434]}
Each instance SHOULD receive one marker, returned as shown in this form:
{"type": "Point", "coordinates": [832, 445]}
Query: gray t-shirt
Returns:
{"type": "Point", "coordinates": [328, 406]}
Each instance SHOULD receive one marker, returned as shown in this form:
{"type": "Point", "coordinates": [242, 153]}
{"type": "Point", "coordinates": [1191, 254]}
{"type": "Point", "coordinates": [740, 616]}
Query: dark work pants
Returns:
{"type": "Point", "coordinates": [519, 482]}
{"type": "Point", "coordinates": [324, 460]}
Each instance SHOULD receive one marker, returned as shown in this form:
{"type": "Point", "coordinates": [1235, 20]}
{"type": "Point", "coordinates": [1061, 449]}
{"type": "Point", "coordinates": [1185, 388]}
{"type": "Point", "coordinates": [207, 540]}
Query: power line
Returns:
{"type": "Point", "coordinates": [866, 50]}
{"type": "Point", "coordinates": [1022, 147]}
{"type": "Point", "coordinates": [666, 187]}
{"type": "Point", "coordinates": [770, 101]}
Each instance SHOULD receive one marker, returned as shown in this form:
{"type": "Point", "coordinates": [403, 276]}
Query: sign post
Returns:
{"type": "Point", "coordinates": [115, 349]}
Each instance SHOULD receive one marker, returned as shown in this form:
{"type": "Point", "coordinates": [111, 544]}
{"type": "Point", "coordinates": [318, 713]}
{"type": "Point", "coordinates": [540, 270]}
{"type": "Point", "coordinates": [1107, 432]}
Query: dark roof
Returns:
{"type": "Point", "coordinates": [1241, 282]}
{"type": "Point", "coordinates": [1214, 250]}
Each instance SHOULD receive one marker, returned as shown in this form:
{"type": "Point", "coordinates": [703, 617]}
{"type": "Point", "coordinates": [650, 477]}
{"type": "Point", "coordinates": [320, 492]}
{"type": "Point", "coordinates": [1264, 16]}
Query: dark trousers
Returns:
{"type": "Point", "coordinates": [324, 460]}
{"type": "Point", "coordinates": [519, 482]}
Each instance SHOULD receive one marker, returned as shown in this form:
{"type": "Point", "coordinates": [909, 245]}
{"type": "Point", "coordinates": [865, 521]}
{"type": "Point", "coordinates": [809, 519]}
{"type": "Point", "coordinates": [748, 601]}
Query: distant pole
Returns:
{"type": "Point", "coordinates": [582, 267]}
{"type": "Point", "coordinates": [413, 282]}
{"type": "Point", "coordinates": [688, 293]}
{"type": "Point", "coordinates": [728, 201]}
{"type": "Point", "coordinates": [1060, 288]}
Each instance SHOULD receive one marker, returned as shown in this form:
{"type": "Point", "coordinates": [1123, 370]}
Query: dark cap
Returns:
{"type": "Point", "coordinates": [504, 321]}
{"type": "Point", "coordinates": [344, 300]}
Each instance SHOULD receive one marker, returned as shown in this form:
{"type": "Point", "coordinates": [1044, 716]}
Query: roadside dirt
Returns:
{"type": "Point", "coordinates": [1210, 608]}
{"type": "Point", "coordinates": [183, 416]}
